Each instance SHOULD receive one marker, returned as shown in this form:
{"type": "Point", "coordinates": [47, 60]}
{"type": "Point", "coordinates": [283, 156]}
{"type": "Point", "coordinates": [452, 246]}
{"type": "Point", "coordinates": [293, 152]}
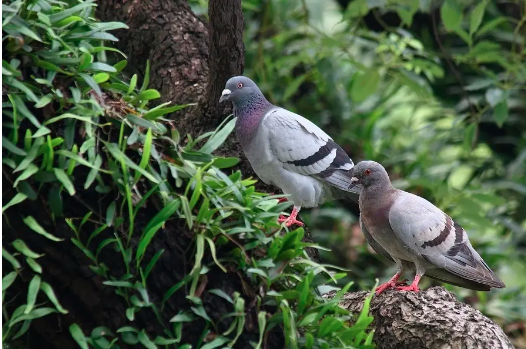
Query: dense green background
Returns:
{"type": "Point", "coordinates": [396, 91]}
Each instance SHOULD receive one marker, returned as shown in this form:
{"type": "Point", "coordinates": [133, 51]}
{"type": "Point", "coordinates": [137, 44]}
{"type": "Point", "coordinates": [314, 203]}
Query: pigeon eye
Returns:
{"type": "Point", "coordinates": [239, 85]}
{"type": "Point", "coordinates": [367, 172]}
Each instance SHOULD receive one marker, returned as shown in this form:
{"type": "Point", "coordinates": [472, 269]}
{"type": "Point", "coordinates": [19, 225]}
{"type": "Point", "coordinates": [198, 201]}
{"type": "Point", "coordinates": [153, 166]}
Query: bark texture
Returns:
{"type": "Point", "coordinates": [430, 319]}
{"type": "Point", "coordinates": [167, 33]}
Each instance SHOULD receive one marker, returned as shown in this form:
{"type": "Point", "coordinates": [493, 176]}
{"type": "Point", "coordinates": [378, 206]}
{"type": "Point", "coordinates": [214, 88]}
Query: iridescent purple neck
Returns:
{"type": "Point", "coordinates": [249, 113]}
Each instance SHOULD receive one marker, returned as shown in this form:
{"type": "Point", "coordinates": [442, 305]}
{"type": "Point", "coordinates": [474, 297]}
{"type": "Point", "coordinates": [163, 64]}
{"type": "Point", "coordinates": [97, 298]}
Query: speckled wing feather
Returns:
{"type": "Point", "coordinates": [429, 232]}
{"type": "Point", "coordinates": [302, 147]}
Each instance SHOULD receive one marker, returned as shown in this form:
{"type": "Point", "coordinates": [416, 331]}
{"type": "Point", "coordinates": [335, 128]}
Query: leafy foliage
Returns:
{"type": "Point", "coordinates": [432, 90]}
{"type": "Point", "coordinates": [74, 125]}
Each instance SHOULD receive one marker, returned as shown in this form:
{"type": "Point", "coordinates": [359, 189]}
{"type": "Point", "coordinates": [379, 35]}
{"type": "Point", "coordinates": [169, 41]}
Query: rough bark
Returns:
{"type": "Point", "coordinates": [430, 319]}
{"type": "Point", "coordinates": [167, 33]}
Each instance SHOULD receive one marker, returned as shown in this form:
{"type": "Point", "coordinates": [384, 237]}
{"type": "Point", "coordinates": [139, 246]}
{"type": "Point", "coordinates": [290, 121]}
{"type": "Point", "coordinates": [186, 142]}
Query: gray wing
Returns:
{"type": "Point", "coordinates": [302, 147]}
{"type": "Point", "coordinates": [372, 242]}
{"type": "Point", "coordinates": [432, 234]}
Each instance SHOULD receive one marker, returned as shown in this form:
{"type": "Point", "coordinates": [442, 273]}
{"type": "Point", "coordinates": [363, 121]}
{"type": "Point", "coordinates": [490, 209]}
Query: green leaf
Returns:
{"type": "Point", "coordinates": [293, 86]}
{"type": "Point", "coordinates": [156, 112]}
{"type": "Point", "coordinates": [500, 113]}
{"type": "Point", "coordinates": [451, 15]}
{"type": "Point", "coordinates": [144, 340]}
{"type": "Point", "coordinates": [110, 213]}
{"type": "Point", "coordinates": [219, 137]}
{"type": "Point", "coordinates": [118, 155]}
{"type": "Point", "coordinates": [31, 155]}
{"type": "Point", "coordinates": [18, 198]}
{"type": "Point", "coordinates": [10, 258]}
{"type": "Point", "coordinates": [364, 85]}
{"type": "Point", "coordinates": [491, 25]}
{"type": "Point", "coordinates": [133, 83]}
{"type": "Point", "coordinates": [146, 80]}
{"type": "Point", "coordinates": [35, 314]}
{"type": "Point", "coordinates": [164, 341]}
{"type": "Point", "coordinates": [33, 224]}
{"type": "Point", "coordinates": [101, 67]}
{"type": "Point", "coordinates": [469, 136]}
{"type": "Point", "coordinates": [187, 211]}
{"type": "Point", "coordinates": [8, 280]}
{"type": "Point", "coordinates": [145, 154]}
{"type": "Point", "coordinates": [476, 17]}
{"type": "Point", "coordinates": [34, 265]}
{"type": "Point", "coordinates": [78, 336]}
{"type": "Point", "coordinates": [213, 252]}
{"type": "Point", "coordinates": [148, 95]}
{"type": "Point", "coordinates": [6, 143]}
{"type": "Point", "coordinates": [28, 172]}
{"type": "Point", "coordinates": [154, 224]}
{"type": "Point", "coordinates": [48, 290]}
{"type": "Point", "coordinates": [152, 262]}
{"type": "Point", "coordinates": [21, 247]}
{"type": "Point", "coordinates": [32, 292]}
{"type": "Point", "coordinates": [217, 342]}
{"type": "Point", "coordinates": [64, 179]}
{"type": "Point", "coordinates": [43, 102]}
{"type": "Point", "coordinates": [220, 162]}
{"type": "Point", "coordinates": [68, 12]}
{"type": "Point", "coordinates": [80, 160]}
{"type": "Point", "coordinates": [101, 77]}
{"type": "Point", "coordinates": [222, 294]}
{"type": "Point", "coordinates": [91, 83]}
{"type": "Point", "coordinates": [116, 283]}
{"type": "Point", "coordinates": [182, 317]}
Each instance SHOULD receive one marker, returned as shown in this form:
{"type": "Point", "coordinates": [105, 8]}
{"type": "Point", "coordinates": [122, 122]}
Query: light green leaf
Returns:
{"type": "Point", "coordinates": [91, 83]}
{"type": "Point", "coordinates": [28, 172]}
{"type": "Point", "coordinates": [148, 95]}
{"type": "Point", "coordinates": [37, 268]}
{"type": "Point", "coordinates": [500, 113]}
{"type": "Point", "coordinates": [48, 290]}
{"type": "Point", "coordinates": [6, 143]}
{"type": "Point", "coordinates": [18, 198]}
{"type": "Point", "coordinates": [33, 224]}
{"type": "Point", "coordinates": [35, 314]}
{"type": "Point", "coordinates": [101, 67]}
{"type": "Point", "coordinates": [117, 154]}
{"type": "Point", "coordinates": [64, 179]}
{"type": "Point", "coordinates": [8, 280]}
{"type": "Point", "coordinates": [10, 258]}
{"type": "Point", "coordinates": [144, 340]}
{"type": "Point", "coordinates": [451, 15]}
{"type": "Point", "coordinates": [219, 137]}
{"type": "Point", "coordinates": [32, 292]}
{"type": "Point", "coordinates": [476, 17]}
{"type": "Point", "coordinates": [364, 85]}
{"type": "Point", "coordinates": [21, 247]}
{"type": "Point", "coordinates": [78, 336]}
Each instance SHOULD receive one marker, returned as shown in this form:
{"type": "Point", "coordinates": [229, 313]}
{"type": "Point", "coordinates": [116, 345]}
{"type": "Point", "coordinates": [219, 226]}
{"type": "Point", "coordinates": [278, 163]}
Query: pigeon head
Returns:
{"type": "Point", "coordinates": [239, 89]}
{"type": "Point", "coordinates": [370, 173]}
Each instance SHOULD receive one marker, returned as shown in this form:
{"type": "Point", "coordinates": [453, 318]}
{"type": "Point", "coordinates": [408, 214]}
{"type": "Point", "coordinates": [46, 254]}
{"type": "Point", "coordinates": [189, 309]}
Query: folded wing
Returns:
{"type": "Point", "coordinates": [302, 147]}
{"type": "Point", "coordinates": [429, 232]}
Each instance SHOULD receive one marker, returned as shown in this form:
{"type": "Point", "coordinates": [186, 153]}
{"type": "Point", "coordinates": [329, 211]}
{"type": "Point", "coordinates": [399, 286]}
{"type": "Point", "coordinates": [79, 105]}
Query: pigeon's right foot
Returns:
{"type": "Point", "coordinates": [290, 220]}
{"type": "Point", "coordinates": [393, 283]}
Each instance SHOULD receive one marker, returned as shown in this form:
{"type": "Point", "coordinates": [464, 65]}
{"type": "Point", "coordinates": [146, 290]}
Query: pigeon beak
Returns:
{"type": "Point", "coordinates": [354, 180]}
{"type": "Point", "coordinates": [224, 95]}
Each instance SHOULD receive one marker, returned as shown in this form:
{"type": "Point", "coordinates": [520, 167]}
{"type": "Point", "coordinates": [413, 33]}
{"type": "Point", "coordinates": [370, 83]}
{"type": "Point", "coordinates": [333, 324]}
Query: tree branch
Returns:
{"type": "Point", "coordinates": [429, 319]}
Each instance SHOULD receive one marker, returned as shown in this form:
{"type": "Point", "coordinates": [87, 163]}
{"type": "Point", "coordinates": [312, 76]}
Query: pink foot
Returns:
{"type": "Point", "coordinates": [393, 283]}
{"type": "Point", "coordinates": [411, 288]}
{"type": "Point", "coordinates": [289, 221]}
{"type": "Point", "coordinates": [283, 200]}
{"type": "Point", "coordinates": [383, 287]}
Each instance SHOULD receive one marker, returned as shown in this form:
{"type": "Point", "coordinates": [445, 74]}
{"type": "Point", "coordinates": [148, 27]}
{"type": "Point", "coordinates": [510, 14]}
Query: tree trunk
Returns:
{"type": "Point", "coordinates": [430, 319]}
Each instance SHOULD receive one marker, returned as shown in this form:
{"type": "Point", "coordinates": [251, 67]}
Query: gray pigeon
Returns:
{"type": "Point", "coordinates": [416, 234]}
{"type": "Point", "coordinates": [287, 150]}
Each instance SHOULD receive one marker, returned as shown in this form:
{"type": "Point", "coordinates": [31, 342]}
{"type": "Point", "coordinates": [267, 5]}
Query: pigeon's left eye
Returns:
{"type": "Point", "coordinates": [239, 85]}
{"type": "Point", "coordinates": [367, 172]}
